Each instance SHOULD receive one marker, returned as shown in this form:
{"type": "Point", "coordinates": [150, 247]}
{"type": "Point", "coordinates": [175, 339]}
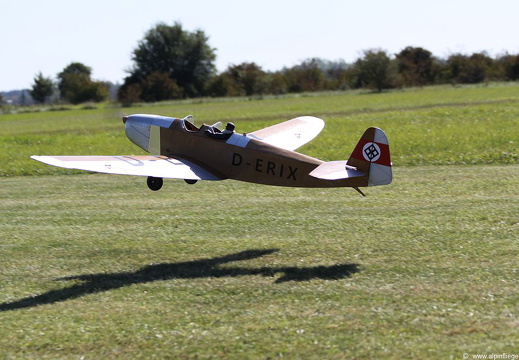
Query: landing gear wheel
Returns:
{"type": "Point", "coordinates": [155, 183]}
{"type": "Point", "coordinates": [190, 182]}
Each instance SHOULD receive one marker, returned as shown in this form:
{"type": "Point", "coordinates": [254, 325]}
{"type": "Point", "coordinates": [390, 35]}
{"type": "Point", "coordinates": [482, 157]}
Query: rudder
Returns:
{"type": "Point", "coordinates": [371, 156]}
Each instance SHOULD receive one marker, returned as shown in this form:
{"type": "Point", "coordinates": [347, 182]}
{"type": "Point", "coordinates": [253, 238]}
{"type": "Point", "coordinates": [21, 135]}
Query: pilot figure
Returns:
{"type": "Point", "coordinates": [229, 129]}
{"type": "Point", "coordinates": [225, 134]}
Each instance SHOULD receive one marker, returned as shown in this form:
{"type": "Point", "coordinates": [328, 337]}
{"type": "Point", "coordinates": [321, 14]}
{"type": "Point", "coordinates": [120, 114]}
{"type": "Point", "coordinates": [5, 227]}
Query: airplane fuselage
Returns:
{"type": "Point", "coordinates": [239, 156]}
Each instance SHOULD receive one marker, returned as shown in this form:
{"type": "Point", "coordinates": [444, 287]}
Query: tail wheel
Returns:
{"type": "Point", "coordinates": [155, 183]}
{"type": "Point", "coordinates": [190, 182]}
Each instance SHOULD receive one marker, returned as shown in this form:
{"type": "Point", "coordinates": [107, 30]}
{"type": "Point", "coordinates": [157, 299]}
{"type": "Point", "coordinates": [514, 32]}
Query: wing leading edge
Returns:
{"type": "Point", "coordinates": [156, 166]}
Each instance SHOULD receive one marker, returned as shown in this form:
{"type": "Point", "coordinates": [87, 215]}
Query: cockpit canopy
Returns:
{"type": "Point", "coordinates": [189, 123]}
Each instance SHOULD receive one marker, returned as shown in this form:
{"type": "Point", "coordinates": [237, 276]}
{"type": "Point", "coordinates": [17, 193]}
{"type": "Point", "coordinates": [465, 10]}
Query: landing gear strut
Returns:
{"type": "Point", "coordinates": [154, 183]}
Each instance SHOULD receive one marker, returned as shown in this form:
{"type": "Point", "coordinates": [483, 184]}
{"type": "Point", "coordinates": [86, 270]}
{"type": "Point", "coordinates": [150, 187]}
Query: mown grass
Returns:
{"type": "Point", "coordinates": [98, 266]}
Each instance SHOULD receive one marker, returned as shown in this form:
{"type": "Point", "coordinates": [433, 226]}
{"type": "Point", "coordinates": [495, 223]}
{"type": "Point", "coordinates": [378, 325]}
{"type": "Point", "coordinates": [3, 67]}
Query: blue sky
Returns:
{"type": "Point", "coordinates": [48, 35]}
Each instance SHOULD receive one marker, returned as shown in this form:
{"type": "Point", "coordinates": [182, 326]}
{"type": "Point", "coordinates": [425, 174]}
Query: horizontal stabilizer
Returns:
{"type": "Point", "coordinates": [147, 165]}
{"type": "Point", "coordinates": [335, 170]}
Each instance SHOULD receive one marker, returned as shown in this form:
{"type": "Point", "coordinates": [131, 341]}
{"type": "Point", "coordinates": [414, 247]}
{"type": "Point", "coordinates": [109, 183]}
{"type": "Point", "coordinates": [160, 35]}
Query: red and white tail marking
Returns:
{"type": "Point", "coordinates": [372, 156]}
{"type": "Point", "coordinates": [372, 151]}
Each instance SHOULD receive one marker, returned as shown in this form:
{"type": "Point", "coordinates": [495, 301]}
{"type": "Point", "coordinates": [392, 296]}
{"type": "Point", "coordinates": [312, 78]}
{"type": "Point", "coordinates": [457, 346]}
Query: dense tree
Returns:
{"type": "Point", "coordinates": [276, 83]}
{"type": "Point", "coordinates": [185, 56]}
{"type": "Point", "coordinates": [416, 66]}
{"type": "Point", "coordinates": [508, 67]}
{"type": "Point", "coordinates": [305, 77]}
{"type": "Point", "coordinates": [457, 65]}
{"type": "Point", "coordinates": [245, 79]}
{"type": "Point", "coordinates": [129, 94]}
{"type": "Point", "coordinates": [72, 73]}
{"type": "Point", "coordinates": [76, 87]}
{"type": "Point", "coordinates": [42, 88]}
{"type": "Point", "coordinates": [472, 69]}
{"type": "Point", "coordinates": [250, 77]}
{"type": "Point", "coordinates": [159, 86]}
{"type": "Point", "coordinates": [222, 85]}
{"type": "Point", "coordinates": [337, 73]}
{"type": "Point", "coordinates": [374, 70]}
{"type": "Point", "coordinates": [480, 68]}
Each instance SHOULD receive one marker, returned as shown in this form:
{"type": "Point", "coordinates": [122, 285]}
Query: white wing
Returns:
{"type": "Point", "coordinates": [156, 166]}
{"type": "Point", "coordinates": [291, 134]}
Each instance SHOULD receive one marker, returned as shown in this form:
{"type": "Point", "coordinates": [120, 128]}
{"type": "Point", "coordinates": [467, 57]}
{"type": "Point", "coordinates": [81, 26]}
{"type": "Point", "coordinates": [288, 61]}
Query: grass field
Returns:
{"type": "Point", "coordinates": [98, 266]}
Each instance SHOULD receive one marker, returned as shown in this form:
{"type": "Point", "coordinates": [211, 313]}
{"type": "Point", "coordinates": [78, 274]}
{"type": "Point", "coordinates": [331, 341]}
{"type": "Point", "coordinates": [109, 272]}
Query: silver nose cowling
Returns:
{"type": "Point", "coordinates": [143, 130]}
{"type": "Point", "coordinates": [137, 128]}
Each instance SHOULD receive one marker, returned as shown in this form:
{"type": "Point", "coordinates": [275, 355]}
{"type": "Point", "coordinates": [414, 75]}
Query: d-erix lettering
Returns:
{"type": "Point", "coordinates": [267, 167]}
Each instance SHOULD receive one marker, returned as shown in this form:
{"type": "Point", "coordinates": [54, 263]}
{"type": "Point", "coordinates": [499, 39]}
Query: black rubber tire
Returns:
{"type": "Point", "coordinates": [155, 183]}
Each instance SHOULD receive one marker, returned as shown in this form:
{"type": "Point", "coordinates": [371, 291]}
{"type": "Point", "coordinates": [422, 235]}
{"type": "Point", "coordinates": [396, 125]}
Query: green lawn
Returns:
{"type": "Point", "coordinates": [98, 266]}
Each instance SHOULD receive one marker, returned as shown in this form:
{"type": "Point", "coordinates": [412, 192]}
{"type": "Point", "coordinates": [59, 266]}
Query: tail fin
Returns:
{"type": "Point", "coordinates": [371, 156]}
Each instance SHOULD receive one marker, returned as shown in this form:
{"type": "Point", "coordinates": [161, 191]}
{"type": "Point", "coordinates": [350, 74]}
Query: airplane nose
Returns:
{"type": "Point", "coordinates": [144, 130]}
{"type": "Point", "coordinates": [137, 129]}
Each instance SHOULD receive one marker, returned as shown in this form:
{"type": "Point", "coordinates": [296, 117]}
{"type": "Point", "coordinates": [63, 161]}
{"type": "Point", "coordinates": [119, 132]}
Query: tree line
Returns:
{"type": "Point", "coordinates": [172, 63]}
{"type": "Point", "coordinates": [74, 85]}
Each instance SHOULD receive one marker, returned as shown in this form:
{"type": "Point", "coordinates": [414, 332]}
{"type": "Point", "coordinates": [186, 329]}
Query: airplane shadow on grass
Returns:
{"type": "Point", "coordinates": [204, 268]}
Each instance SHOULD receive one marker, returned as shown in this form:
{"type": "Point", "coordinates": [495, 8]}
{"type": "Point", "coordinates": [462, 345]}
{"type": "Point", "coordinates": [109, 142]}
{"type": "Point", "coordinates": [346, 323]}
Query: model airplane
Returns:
{"type": "Point", "coordinates": [183, 151]}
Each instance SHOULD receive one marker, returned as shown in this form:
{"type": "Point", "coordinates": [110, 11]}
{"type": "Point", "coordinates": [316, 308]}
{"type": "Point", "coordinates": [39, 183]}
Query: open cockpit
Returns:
{"type": "Point", "coordinates": [215, 131]}
{"type": "Point", "coordinates": [188, 124]}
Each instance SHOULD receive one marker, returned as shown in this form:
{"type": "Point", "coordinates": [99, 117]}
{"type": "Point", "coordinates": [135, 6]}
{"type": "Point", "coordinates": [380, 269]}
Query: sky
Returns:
{"type": "Point", "coordinates": [46, 36]}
